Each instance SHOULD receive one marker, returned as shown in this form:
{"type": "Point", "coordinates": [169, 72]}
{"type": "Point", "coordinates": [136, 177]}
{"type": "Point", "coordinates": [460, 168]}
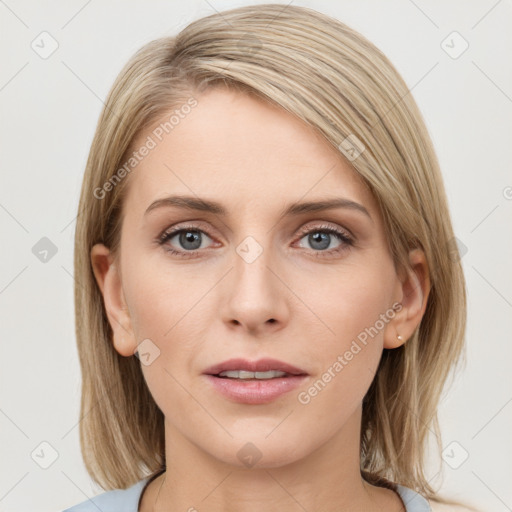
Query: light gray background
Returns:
{"type": "Point", "coordinates": [50, 108]}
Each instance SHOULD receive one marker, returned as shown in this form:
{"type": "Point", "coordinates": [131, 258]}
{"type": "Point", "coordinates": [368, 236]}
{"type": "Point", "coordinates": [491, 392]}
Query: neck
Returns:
{"type": "Point", "coordinates": [327, 478]}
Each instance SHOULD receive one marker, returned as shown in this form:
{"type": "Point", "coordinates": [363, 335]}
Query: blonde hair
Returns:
{"type": "Point", "coordinates": [339, 83]}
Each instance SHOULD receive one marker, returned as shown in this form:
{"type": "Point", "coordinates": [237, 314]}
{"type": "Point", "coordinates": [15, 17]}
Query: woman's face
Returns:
{"type": "Point", "coordinates": [251, 282]}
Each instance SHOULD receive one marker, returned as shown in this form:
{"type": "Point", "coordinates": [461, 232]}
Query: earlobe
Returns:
{"type": "Point", "coordinates": [109, 281]}
{"type": "Point", "coordinates": [415, 287]}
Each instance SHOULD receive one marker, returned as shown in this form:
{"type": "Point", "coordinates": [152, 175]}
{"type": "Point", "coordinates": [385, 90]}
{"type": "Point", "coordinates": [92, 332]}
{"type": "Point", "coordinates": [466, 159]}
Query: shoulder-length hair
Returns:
{"type": "Point", "coordinates": [335, 80]}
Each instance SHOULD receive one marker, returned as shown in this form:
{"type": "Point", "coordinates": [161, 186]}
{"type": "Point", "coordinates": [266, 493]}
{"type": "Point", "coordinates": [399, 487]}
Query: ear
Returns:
{"type": "Point", "coordinates": [413, 290]}
{"type": "Point", "coordinates": [109, 281]}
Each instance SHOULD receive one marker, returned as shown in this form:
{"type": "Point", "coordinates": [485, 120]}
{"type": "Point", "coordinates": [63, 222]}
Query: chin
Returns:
{"type": "Point", "coordinates": [258, 452]}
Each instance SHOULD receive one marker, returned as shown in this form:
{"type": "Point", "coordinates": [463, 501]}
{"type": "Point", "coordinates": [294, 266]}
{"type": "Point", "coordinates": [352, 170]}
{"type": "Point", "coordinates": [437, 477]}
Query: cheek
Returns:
{"type": "Point", "coordinates": [353, 300]}
{"type": "Point", "coordinates": [157, 294]}
{"type": "Point", "coordinates": [169, 309]}
{"type": "Point", "coordinates": [357, 310]}
{"type": "Point", "coordinates": [167, 313]}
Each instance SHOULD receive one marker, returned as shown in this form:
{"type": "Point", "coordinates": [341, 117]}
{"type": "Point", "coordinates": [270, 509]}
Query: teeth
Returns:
{"type": "Point", "coordinates": [242, 374]}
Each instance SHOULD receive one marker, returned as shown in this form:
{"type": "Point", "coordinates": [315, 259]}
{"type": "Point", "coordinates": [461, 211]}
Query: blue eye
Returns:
{"type": "Point", "coordinates": [191, 238]}
{"type": "Point", "coordinates": [320, 239]}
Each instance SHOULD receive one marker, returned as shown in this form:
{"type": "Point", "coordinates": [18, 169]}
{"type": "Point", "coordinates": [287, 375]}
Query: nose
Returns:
{"type": "Point", "coordinates": [257, 298]}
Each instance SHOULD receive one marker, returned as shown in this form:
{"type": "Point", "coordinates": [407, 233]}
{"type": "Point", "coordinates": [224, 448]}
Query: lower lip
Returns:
{"type": "Point", "coordinates": [255, 391]}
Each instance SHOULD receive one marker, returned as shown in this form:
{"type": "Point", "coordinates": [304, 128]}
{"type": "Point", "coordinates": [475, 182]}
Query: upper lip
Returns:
{"type": "Point", "coordinates": [261, 365]}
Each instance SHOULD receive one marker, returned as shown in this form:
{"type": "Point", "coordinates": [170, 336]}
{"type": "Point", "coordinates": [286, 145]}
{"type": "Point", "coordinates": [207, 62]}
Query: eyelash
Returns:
{"type": "Point", "coordinates": [346, 240]}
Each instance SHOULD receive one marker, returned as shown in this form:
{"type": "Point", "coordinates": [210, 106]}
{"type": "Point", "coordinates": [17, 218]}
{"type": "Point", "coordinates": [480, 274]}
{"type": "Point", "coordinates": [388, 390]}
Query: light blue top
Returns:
{"type": "Point", "coordinates": [127, 500]}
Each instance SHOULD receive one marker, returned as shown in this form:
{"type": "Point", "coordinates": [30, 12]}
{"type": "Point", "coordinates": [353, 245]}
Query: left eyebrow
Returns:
{"type": "Point", "coordinates": [316, 206]}
{"type": "Point", "coordinates": [298, 208]}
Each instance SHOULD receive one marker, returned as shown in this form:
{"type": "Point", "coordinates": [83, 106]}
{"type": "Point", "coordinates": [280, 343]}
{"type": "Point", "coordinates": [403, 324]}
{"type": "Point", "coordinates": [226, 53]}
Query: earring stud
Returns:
{"type": "Point", "coordinates": [399, 337]}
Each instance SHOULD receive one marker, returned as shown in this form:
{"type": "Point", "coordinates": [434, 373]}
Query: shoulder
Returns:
{"type": "Point", "coordinates": [112, 501]}
{"type": "Point", "coordinates": [415, 502]}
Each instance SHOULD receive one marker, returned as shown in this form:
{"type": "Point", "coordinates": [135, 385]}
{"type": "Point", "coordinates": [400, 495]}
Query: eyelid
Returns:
{"type": "Point", "coordinates": [327, 225]}
{"type": "Point", "coordinates": [315, 225]}
{"type": "Point", "coordinates": [346, 239]}
{"type": "Point", "coordinates": [205, 227]}
{"type": "Point", "coordinates": [195, 225]}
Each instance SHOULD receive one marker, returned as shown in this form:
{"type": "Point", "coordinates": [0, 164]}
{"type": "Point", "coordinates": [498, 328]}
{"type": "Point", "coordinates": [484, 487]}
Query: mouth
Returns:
{"type": "Point", "coordinates": [256, 382]}
{"type": "Point", "coordinates": [246, 375]}
{"type": "Point", "coordinates": [260, 370]}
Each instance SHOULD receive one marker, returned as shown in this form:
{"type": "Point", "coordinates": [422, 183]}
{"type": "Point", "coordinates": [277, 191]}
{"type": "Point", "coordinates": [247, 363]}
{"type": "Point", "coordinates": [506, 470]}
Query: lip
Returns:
{"type": "Point", "coordinates": [255, 391]}
{"type": "Point", "coordinates": [261, 365]}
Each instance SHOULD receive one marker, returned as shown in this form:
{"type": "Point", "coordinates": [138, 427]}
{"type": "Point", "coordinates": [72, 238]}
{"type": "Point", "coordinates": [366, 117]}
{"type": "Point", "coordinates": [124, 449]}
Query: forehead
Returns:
{"type": "Point", "coordinates": [241, 150]}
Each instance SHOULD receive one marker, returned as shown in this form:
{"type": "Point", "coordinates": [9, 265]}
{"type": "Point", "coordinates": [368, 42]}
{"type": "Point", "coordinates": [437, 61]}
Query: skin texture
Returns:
{"type": "Point", "coordinates": [297, 302]}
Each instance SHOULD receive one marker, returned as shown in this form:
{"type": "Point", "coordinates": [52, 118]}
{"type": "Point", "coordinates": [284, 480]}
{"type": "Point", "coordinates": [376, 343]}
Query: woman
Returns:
{"type": "Point", "coordinates": [267, 303]}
